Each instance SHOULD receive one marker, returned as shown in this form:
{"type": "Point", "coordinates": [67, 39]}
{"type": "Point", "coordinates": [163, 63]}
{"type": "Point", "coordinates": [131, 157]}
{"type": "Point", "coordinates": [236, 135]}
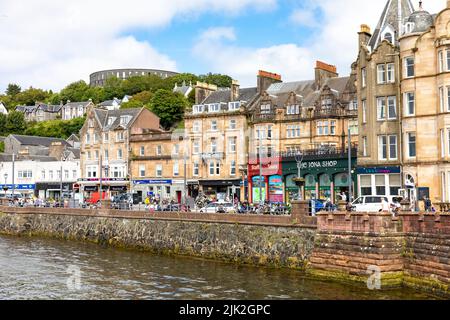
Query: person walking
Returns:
{"type": "Point", "coordinates": [428, 204]}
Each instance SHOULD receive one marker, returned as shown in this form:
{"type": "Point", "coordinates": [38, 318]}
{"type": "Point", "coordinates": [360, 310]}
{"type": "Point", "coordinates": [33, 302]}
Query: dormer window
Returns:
{"type": "Point", "coordinates": [111, 121]}
{"type": "Point", "coordinates": [409, 27]}
{"type": "Point", "coordinates": [91, 123]}
{"type": "Point", "coordinates": [215, 107]}
{"type": "Point", "coordinates": [388, 37]}
{"type": "Point", "coordinates": [265, 109]}
{"type": "Point", "coordinates": [327, 103]}
{"type": "Point", "coordinates": [234, 106]}
{"type": "Point", "coordinates": [293, 109]}
{"type": "Point", "coordinates": [198, 109]}
{"type": "Point", "coordinates": [124, 120]}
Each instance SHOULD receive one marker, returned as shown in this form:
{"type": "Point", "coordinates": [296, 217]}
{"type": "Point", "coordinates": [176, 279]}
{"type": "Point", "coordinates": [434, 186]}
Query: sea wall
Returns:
{"type": "Point", "coordinates": [256, 242]}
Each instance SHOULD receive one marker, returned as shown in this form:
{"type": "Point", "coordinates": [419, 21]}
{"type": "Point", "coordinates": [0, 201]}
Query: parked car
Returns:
{"type": "Point", "coordinates": [123, 201]}
{"type": "Point", "coordinates": [171, 208]}
{"type": "Point", "coordinates": [218, 207]}
{"type": "Point", "coordinates": [373, 203]}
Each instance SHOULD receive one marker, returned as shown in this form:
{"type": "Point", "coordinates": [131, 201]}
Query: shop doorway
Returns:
{"type": "Point", "coordinates": [179, 197]}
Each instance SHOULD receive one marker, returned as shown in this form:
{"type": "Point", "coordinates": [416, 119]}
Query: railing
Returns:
{"type": "Point", "coordinates": [315, 152]}
{"type": "Point", "coordinates": [305, 116]}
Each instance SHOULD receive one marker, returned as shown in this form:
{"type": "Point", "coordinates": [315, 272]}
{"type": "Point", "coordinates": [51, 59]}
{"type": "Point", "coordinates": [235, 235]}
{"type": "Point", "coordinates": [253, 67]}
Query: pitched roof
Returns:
{"type": "Point", "coordinates": [224, 96]}
{"type": "Point", "coordinates": [110, 102]}
{"type": "Point", "coordinates": [26, 109]}
{"type": "Point", "coordinates": [50, 108]}
{"type": "Point", "coordinates": [8, 158]}
{"type": "Point", "coordinates": [103, 116]}
{"type": "Point", "coordinates": [37, 141]}
{"type": "Point", "coordinates": [77, 104]}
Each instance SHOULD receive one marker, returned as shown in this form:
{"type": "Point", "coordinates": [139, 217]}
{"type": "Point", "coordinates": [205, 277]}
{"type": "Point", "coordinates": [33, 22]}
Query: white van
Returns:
{"type": "Point", "coordinates": [373, 203]}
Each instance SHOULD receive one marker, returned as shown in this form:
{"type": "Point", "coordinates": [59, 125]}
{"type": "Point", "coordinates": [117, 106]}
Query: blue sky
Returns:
{"type": "Point", "coordinates": [73, 38]}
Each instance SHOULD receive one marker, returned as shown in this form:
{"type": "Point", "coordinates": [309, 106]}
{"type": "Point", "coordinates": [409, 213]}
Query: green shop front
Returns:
{"type": "Point", "coordinates": [324, 178]}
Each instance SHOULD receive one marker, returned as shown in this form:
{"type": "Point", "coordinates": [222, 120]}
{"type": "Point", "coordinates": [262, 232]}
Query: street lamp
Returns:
{"type": "Point", "coordinates": [299, 181]}
{"type": "Point", "coordinates": [5, 187]}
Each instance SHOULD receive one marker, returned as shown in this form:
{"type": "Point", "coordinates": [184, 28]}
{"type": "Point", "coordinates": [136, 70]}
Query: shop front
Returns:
{"type": "Point", "coordinates": [157, 189]}
{"type": "Point", "coordinates": [324, 179]}
{"type": "Point", "coordinates": [221, 190]}
{"type": "Point", "coordinates": [90, 188]}
{"type": "Point", "coordinates": [53, 190]}
{"type": "Point", "coordinates": [380, 181]}
{"type": "Point", "coordinates": [269, 186]}
{"type": "Point", "coordinates": [24, 189]}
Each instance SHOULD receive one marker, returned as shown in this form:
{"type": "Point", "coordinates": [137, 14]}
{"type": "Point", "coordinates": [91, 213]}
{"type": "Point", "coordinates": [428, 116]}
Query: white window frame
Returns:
{"type": "Point", "coordinates": [381, 74]}
{"type": "Point", "coordinates": [406, 59]}
{"type": "Point", "coordinates": [390, 73]}
{"type": "Point", "coordinates": [390, 145]}
{"type": "Point", "coordinates": [232, 142]}
{"type": "Point", "coordinates": [196, 169]}
{"type": "Point", "coordinates": [408, 144]}
{"type": "Point", "coordinates": [408, 101]}
{"type": "Point", "coordinates": [142, 151]}
{"type": "Point", "coordinates": [364, 111]}
{"type": "Point", "coordinates": [381, 146]}
{"type": "Point", "coordinates": [233, 124]}
{"type": "Point", "coordinates": [388, 100]}
{"type": "Point", "coordinates": [176, 169]}
{"type": "Point", "coordinates": [233, 171]}
{"type": "Point", "coordinates": [381, 108]}
{"type": "Point", "coordinates": [159, 170]}
{"type": "Point", "coordinates": [214, 126]}
{"type": "Point", "coordinates": [119, 154]}
{"type": "Point", "coordinates": [363, 77]}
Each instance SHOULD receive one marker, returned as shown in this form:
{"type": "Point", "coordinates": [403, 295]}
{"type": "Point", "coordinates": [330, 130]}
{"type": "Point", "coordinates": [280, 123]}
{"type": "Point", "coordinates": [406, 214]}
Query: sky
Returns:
{"type": "Point", "coordinates": [51, 43]}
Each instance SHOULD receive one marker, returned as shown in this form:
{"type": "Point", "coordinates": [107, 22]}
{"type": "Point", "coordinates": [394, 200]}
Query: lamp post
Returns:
{"type": "Point", "coordinates": [299, 160]}
{"type": "Point", "coordinates": [261, 200]}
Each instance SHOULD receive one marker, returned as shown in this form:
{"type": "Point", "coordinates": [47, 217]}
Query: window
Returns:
{"type": "Point", "coordinates": [196, 127]}
{"type": "Point", "coordinates": [211, 168]}
{"type": "Point", "coordinates": [95, 138]}
{"type": "Point", "coordinates": [106, 155]}
{"type": "Point", "coordinates": [142, 151]}
{"type": "Point", "coordinates": [442, 144]}
{"type": "Point", "coordinates": [380, 185]}
{"type": "Point", "coordinates": [96, 154]}
{"type": "Point", "coordinates": [353, 125]}
{"type": "Point", "coordinates": [441, 60]}
{"type": "Point", "coordinates": [293, 132]}
{"type": "Point", "coordinates": [159, 170]}
{"type": "Point", "coordinates": [265, 109]}
{"type": "Point", "coordinates": [43, 174]}
{"type": "Point", "coordinates": [333, 127]}
{"type": "Point", "coordinates": [214, 168]}
{"type": "Point", "coordinates": [448, 98]}
{"type": "Point", "coordinates": [159, 150]}
{"type": "Point", "coordinates": [381, 74]}
{"type": "Point", "coordinates": [214, 125]}
{"type": "Point", "coordinates": [410, 103]}
{"type": "Point", "coordinates": [382, 148]}
{"type": "Point", "coordinates": [364, 139]}
{"type": "Point", "coordinates": [392, 108]}
{"type": "Point", "coordinates": [50, 174]}
{"type": "Point", "coordinates": [409, 67]}
{"type": "Point", "coordinates": [322, 128]}
{"type": "Point", "coordinates": [120, 136]}
{"type": "Point", "coordinates": [74, 174]}
{"type": "Point", "coordinates": [196, 147]}
{"type": "Point", "coordinates": [363, 77]}
{"type": "Point", "coordinates": [91, 123]}
{"type": "Point", "coordinates": [176, 149]}
{"type": "Point", "coordinates": [390, 73]}
{"type": "Point", "coordinates": [196, 169]}
{"type": "Point", "coordinates": [294, 109]}
{"type": "Point", "coordinates": [364, 111]}
{"type": "Point", "coordinates": [215, 107]}
{"type": "Point", "coordinates": [381, 109]}
{"type": "Point", "coordinates": [176, 169]}
{"type": "Point", "coordinates": [388, 37]}
{"type": "Point", "coordinates": [198, 109]}
{"type": "Point", "coordinates": [441, 98]}
{"type": "Point", "coordinates": [366, 185]}
{"type": "Point", "coordinates": [89, 155]}
{"type": "Point", "coordinates": [233, 168]}
{"type": "Point", "coordinates": [232, 125]}
{"type": "Point", "coordinates": [213, 145]}
{"type": "Point", "coordinates": [233, 106]}
{"type": "Point", "coordinates": [88, 138]}
{"type": "Point", "coordinates": [119, 154]}
{"type": "Point", "coordinates": [91, 171]}
{"type": "Point", "coordinates": [106, 137]}
{"type": "Point", "coordinates": [124, 120]}
{"type": "Point", "coordinates": [66, 174]}
{"type": "Point", "coordinates": [111, 121]}
{"type": "Point", "coordinates": [448, 61]}
{"type": "Point", "coordinates": [411, 145]}
{"type": "Point", "coordinates": [395, 184]}
{"type": "Point", "coordinates": [392, 147]}
{"type": "Point", "coordinates": [269, 132]}
{"type": "Point", "coordinates": [25, 174]}
{"type": "Point", "coordinates": [142, 170]}
{"type": "Point", "coordinates": [232, 144]}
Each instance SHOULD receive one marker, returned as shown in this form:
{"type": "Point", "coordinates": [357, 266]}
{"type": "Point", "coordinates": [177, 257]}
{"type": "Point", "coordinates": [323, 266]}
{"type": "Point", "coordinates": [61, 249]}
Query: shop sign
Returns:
{"type": "Point", "coordinates": [19, 186]}
{"type": "Point", "coordinates": [379, 170]}
{"type": "Point", "coordinates": [325, 164]}
{"type": "Point", "coordinates": [143, 182]}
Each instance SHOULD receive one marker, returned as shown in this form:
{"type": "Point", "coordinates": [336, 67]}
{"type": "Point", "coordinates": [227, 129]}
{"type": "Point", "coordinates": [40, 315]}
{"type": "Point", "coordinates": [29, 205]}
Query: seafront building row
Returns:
{"type": "Point", "coordinates": [388, 118]}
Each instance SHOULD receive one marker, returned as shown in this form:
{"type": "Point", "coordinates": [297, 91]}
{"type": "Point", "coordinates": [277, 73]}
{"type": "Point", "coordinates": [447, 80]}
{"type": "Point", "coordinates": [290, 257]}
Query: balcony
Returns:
{"type": "Point", "coordinates": [335, 113]}
{"type": "Point", "coordinates": [264, 117]}
{"type": "Point", "coordinates": [319, 152]}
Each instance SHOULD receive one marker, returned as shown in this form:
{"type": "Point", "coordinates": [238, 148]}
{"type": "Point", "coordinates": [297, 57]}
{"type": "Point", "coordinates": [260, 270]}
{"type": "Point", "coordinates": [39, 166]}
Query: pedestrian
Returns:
{"type": "Point", "coordinates": [428, 204]}
{"type": "Point", "coordinates": [343, 196]}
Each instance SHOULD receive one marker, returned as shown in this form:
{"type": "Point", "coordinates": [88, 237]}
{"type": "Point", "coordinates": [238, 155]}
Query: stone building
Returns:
{"type": "Point", "coordinates": [105, 148]}
{"type": "Point", "coordinates": [378, 68]}
{"type": "Point", "coordinates": [216, 128]}
{"type": "Point", "coordinates": [40, 112]}
{"type": "Point", "coordinates": [72, 110]}
{"type": "Point", "coordinates": [36, 146]}
{"type": "Point", "coordinates": [157, 165]}
{"type": "Point", "coordinates": [309, 119]}
{"type": "Point", "coordinates": [425, 90]}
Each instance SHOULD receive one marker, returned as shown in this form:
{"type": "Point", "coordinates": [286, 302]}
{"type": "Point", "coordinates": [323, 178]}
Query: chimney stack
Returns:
{"type": "Point", "coordinates": [324, 71]}
{"type": "Point", "coordinates": [56, 149]}
{"type": "Point", "coordinates": [364, 35]}
{"type": "Point", "coordinates": [266, 79]}
{"type": "Point", "coordinates": [235, 90]}
{"type": "Point", "coordinates": [203, 90]}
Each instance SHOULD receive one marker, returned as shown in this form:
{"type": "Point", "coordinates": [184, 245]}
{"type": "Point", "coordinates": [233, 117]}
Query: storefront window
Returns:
{"type": "Point", "coordinates": [257, 190]}
{"type": "Point", "coordinates": [310, 187]}
{"type": "Point", "coordinates": [395, 184]}
{"type": "Point", "coordinates": [366, 185]}
{"type": "Point", "coordinates": [291, 188]}
{"type": "Point", "coordinates": [380, 184]}
{"type": "Point", "coordinates": [276, 189]}
{"type": "Point", "coordinates": [325, 187]}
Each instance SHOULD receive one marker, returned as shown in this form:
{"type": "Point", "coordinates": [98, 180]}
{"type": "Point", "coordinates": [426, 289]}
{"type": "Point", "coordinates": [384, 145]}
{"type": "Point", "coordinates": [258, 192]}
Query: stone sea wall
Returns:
{"type": "Point", "coordinates": [278, 246]}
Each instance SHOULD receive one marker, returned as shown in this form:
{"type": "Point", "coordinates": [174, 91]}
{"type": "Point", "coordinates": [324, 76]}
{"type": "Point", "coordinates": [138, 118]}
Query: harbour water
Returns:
{"type": "Point", "coordinates": [36, 268]}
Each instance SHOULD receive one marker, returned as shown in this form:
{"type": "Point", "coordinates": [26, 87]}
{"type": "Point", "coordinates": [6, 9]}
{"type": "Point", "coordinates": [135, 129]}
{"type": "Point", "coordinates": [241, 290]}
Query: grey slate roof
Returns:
{"type": "Point", "coordinates": [37, 141]}
{"type": "Point", "coordinates": [103, 115]}
{"type": "Point", "coordinates": [109, 102]}
{"type": "Point", "coordinates": [50, 108]}
{"type": "Point", "coordinates": [77, 104]}
{"type": "Point", "coordinates": [224, 96]}
{"type": "Point", "coordinates": [26, 109]}
{"type": "Point", "coordinates": [8, 158]}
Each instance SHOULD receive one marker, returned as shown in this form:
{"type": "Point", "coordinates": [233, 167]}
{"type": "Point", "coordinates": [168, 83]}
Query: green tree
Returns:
{"type": "Point", "coordinates": [15, 123]}
{"type": "Point", "coordinates": [113, 88]}
{"type": "Point", "coordinates": [133, 103]}
{"type": "Point", "coordinates": [145, 97]}
{"type": "Point", "coordinates": [75, 92]}
{"type": "Point", "coordinates": [169, 106]}
{"type": "Point", "coordinates": [2, 146]}
{"type": "Point", "coordinates": [187, 78]}
{"type": "Point", "coordinates": [3, 119]}
{"type": "Point", "coordinates": [13, 90]}
{"type": "Point", "coordinates": [219, 80]}
{"type": "Point", "coordinates": [30, 97]}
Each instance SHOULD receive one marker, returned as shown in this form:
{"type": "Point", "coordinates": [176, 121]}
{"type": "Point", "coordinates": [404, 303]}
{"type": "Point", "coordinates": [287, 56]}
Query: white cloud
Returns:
{"type": "Point", "coordinates": [49, 43]}
{"type": "Point", "coordinates": [333, 41]}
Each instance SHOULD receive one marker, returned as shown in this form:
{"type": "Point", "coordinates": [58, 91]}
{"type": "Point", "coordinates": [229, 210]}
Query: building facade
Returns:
{"type": "Point", "coordinates": [40, 112]}
{"type": "Point", "coordinates": [72, 110]}
{"type": "Point", "coordinates": [105, 148]}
